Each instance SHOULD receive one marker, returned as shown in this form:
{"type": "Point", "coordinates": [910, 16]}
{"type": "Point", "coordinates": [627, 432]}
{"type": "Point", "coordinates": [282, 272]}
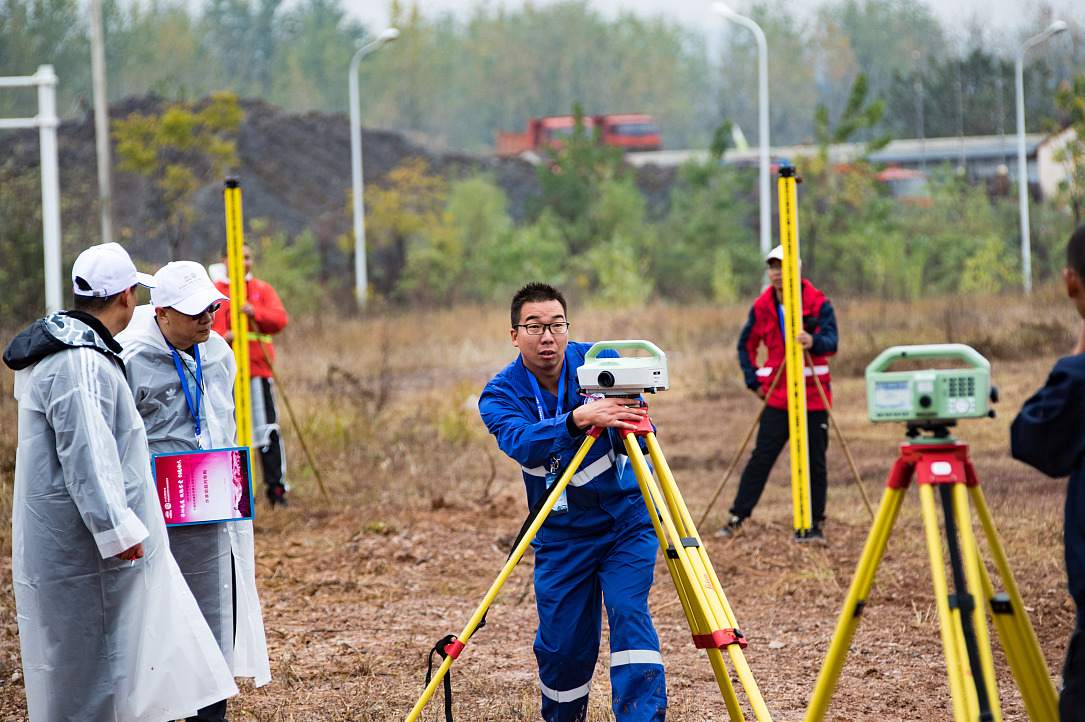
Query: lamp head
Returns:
{"type": "Point", "coordinates": [390, 34]}
{"type": "Point", "coordinates": [723, 9]}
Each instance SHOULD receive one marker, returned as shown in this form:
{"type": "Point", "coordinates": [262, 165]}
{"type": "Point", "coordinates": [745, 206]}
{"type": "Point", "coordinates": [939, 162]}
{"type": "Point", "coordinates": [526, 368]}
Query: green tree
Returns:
{"type": "Point", "coordinates": [21, 274]}
{"type": "Point", "coordinates": [316, 44]}
{"type": "Point", "coordinates": [879, 38]}
{"type": "Point", "coordinates": [1070, 101]}
{"type": "Point", "coordinates": [139, 36]}
{"type": "Point", "coordinates": [40, 32]}
{"type": "Point", "coordinates": [573, 181]}
{"type": "Point", "coordinates": [402, 212]}
{"type": "Point", "coordinates": [292, 267]}
{"type": "Point", "coordinates": [241, 36]}
{"type": "Point", "coordinates": [792, 74]}
{"type": "Point", "coordinates": [179, 150]}
{"type": "Point", "coordinates": [834, 197]}
{"type": "Point", "coordinates": [705, 247]}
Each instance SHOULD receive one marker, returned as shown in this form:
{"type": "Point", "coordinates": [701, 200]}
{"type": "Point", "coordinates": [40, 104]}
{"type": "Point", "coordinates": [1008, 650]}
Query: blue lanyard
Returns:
{"type": "Point", "coordinates": [192, 396]}
{"type": "Point", "coordinates": [538, 394]}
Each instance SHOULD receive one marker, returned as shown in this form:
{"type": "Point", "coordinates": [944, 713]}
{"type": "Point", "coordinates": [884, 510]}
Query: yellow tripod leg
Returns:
{"type": "Point", "coordinates": [861, 583]}
{"type": "Point", "coordinates": [1011, 620]}
{"type": "Point", "coordinates": [684, 525]}
{"type": "Point", "coordinates": [971, 561]}
{"type": "Point", "coordinates": [965, 707]}
{"type": "Point", "coordinates": [694, 584]}
{"type": "Point", "coordinates": [506, 570]}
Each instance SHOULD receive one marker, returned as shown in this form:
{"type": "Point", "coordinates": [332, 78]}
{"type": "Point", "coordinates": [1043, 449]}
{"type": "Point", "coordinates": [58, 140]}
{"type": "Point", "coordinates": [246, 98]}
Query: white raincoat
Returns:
{"type": "Point", "coordinates": [203, 551]}
{"type": "Point", "coordinates": [102, 639]}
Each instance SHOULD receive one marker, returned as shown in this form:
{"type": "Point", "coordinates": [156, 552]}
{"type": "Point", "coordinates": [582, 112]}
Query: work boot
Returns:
{"type": "Point", "coordinates": [276, 496]}
{"type": "Point", "coordinates": [732, 528]}
{"type": "Point", "coordinates": [813, 536]}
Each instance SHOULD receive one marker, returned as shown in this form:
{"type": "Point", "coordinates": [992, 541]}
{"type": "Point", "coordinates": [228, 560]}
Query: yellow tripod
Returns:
{"type": "Point", "coordinates": [943, 463]}
{"type": "Point", "coordinates": [709, 615]}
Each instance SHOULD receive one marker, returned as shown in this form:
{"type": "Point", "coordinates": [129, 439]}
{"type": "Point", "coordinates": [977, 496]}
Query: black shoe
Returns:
{"type": "Point", "coordinates": [814, 536]}
{"type": "Point", "coordinates": [276, 496]}
{"type": "Point", "coordinates": [732, 528]}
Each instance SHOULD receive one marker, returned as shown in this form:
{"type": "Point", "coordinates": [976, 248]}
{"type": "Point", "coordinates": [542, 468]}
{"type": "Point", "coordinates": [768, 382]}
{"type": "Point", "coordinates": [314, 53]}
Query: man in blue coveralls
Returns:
{"type": "Point", "coordinates": [1049, 434]}
{"type": "Point", "coordinates": [597, 546]}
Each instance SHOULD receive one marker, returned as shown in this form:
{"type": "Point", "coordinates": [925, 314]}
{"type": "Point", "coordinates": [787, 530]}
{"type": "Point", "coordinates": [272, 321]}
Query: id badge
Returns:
{"type": "Point", "coordinates": [562, 504]}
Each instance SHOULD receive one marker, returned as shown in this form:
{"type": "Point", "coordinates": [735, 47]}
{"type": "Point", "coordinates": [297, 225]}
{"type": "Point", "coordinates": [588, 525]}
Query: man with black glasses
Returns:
{"type": "Point", "coordinates": [182, 377]}
{"type": "Point", "coordinates": [597, 546]}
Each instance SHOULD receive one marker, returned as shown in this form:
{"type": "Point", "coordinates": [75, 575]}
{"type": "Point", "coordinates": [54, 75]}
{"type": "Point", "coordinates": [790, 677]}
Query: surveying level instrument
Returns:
{"type": "Point", "coordinates": [930, 401]}
{"type": "Point", "coordinates": [239, 322]}
{"type": "Point", "coordinates": [623, 376]}
{"type": "Point", "coordinates": [930, 397]}
{"type": "Point", "coordinates": [795, 368]}
{"type": "Point", "coordinates": [710, 618]}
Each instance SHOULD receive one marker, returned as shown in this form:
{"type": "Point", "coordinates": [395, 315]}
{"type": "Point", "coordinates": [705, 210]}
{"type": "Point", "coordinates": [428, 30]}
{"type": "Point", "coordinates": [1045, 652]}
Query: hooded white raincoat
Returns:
{"type": "Point", "coordinates": [103, 640]}
{"type": "Point", "coordinates": [204, 552]}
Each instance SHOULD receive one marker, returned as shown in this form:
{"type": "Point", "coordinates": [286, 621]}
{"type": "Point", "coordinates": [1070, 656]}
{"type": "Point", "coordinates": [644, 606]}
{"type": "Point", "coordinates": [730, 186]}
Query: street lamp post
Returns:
{"type": "Point", "coordinates": [360, 283]}
{"type": "Point", "coordinates": [1022, 164]}
{"type": "Point", "coordinates": [762, 117]}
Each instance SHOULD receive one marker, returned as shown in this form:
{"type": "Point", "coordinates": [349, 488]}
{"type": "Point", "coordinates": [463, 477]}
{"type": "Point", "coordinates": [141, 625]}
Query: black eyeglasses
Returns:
{"type": "Point", "coordinates": [557, 328]}
{"type": "Point", "coordinates": [210, 309]}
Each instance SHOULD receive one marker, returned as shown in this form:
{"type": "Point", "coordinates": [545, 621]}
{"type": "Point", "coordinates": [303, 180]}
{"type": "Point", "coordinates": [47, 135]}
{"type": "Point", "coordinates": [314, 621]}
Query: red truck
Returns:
{"type": "Point", "coordinates": [630, 131]}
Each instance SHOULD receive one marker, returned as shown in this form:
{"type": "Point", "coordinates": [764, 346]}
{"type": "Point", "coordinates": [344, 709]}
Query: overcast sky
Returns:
{"type": "Point", "coordinates": [1000, 14]}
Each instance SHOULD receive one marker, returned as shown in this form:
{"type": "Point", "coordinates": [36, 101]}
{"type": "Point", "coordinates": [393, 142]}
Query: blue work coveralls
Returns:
{"type": "Point", "coordinates": [1049, 434]}
{"type": "Point", "coordinates": [601, 551]}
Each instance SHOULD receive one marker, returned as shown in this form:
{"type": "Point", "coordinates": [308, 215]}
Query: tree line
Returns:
{"type": "Point", "coordinates": [452, 82]}
{"type": "Point", "coordinates": [434, 238]}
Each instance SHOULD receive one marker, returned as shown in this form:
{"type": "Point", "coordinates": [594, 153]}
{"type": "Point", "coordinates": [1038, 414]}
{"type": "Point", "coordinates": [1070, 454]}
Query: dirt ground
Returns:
{"type": "Point", "coordinates": [355, 596]}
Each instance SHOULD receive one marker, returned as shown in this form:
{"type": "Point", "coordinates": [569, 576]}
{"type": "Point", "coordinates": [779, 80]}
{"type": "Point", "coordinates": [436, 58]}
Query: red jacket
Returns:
{"type": "Point", "coordinates": [764, 327]}
{"type": "Point", "coordinates": [270, 318]}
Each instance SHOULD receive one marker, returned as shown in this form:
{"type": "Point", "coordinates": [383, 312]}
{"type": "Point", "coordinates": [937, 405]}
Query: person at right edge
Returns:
{"type": "Point", "coordinates": [266, 318]}
{"type": "Point", "coordinates": [1049, 434]}
{"type": "Point", "coordinates": [765, 327]}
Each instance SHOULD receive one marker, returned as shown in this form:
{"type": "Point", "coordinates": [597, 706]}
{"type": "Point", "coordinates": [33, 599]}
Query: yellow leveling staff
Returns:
{"type": "Point", "coordinates": [796, 369]}
{"type": "Point", "coordinates": [239, 322]}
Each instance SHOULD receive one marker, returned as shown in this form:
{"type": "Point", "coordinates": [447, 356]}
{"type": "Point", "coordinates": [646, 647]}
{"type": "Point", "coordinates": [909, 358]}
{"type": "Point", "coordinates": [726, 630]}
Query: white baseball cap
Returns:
{"type": "Point", "coordinates": [184, 286]}
{"type": "Point", "coordinates": [105, 270]}
{"type": "Point", "coordinates": [778, 254]}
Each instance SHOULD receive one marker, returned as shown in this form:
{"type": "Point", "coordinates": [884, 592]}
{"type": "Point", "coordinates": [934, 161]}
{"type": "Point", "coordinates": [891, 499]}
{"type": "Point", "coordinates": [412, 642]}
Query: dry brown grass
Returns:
{"type": "Point", "coordinates": [423, 506]}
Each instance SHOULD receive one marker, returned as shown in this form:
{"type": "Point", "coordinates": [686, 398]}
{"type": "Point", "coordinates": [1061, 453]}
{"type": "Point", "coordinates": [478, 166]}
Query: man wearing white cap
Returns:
{"type": "Point", "coordinates": [182, 377]}
{"type": "Point", "coordinates": [818, 340]}
{"type": "Point", "coordinates": [108, 628]}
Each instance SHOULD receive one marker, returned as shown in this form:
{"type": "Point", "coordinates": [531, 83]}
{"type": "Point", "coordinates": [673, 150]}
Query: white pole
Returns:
{"type": "Point", "coordinates": [762, 118]}
{"type": "Point", "coordinates": [360, 273]}
{"type": "Point", "coordinates": [1022, 163]}
{"type": "Point", "coordinates": [101, 120]}
{"type": "Point", "coordinates": [50, 184]}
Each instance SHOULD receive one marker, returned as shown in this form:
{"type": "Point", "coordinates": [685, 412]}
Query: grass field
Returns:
{"type": "Point", "coordinates": [422, 506]}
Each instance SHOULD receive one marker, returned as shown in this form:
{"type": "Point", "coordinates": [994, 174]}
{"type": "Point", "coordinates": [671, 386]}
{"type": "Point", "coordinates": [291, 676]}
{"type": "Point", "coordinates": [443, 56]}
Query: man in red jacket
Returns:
{"type": "Point", "coordinates": [266, 317]}
{"type": "Point", "coordinates": [818, 337]}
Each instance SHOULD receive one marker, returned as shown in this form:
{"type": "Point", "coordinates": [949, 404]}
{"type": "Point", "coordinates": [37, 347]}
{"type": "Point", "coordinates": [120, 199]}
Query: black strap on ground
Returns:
{"type": "Point", "coordinates": [965, 603]}
{"type": "Point", "coordinates": [439, 648]}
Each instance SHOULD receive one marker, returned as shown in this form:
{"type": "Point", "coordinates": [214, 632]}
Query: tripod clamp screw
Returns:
{"type": "Point", "coordinates": [719, 639]}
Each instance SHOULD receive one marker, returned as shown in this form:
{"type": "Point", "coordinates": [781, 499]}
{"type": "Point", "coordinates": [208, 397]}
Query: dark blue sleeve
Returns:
{"type": "Point", "coordinates": [749, 368]}
{"type": "Point", "coordinates": [1049, 432]}
{"type": "Point", "coordinates": [519, 434]}
{"type": "Point", "coordinates": [826, 338]}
